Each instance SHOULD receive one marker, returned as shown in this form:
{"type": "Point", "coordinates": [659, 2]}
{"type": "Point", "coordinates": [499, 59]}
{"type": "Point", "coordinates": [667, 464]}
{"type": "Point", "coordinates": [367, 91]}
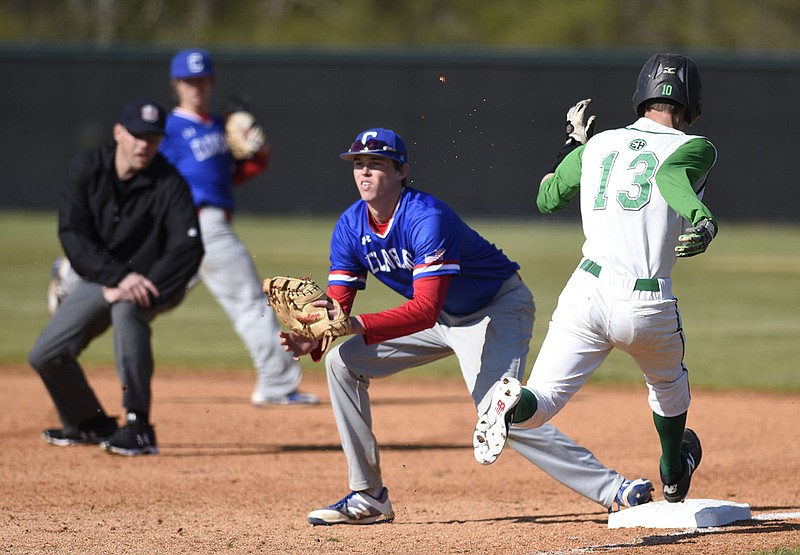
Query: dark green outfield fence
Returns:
{"type": "Point", "coordinates": [482, 126]}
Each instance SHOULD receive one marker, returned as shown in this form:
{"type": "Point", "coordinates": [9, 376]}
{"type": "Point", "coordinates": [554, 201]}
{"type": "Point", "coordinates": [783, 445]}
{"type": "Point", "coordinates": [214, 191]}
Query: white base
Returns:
{"type": "Point", "coordinates": [692, 513]}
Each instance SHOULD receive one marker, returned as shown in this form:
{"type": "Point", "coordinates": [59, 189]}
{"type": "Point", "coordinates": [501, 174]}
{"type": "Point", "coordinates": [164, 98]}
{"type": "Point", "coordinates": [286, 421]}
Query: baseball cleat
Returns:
{"type": "Point", "coordinates": [676, 488]}
{"type": "Point", "coordinates": [293, 398]}
{"type": "Point", "coordinates": [634, 492]}
{"type": "Point", "coordinates": [491, 431]}
{"type": "Point", "coordinates": [135, 438]}
{"type": "Point", "coordinates": [355, 508]}
{"type": "Point", "coordinates": [91, 432]}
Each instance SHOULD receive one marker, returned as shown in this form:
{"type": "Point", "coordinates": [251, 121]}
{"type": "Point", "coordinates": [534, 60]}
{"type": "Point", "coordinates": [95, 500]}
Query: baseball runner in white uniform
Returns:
{"type": "Point", "coordinates": [638, 187]}
{"type": "Point", "coordinates": [465, 297]}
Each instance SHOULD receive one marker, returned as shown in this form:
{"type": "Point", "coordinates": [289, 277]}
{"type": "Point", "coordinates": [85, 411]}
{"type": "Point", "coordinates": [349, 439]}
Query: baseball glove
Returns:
{"type": "Point", "coordinates": [292, 300]}
{"type": "Point", "coordinates": [244, 136]}
{"type": "Point", "coordinates": [63, 280]}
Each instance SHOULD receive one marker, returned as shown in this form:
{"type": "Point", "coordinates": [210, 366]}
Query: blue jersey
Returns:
{"type": "Point", "coordinates": [424, 238]}
{"type": "Point", "coordinates": [197, 148]}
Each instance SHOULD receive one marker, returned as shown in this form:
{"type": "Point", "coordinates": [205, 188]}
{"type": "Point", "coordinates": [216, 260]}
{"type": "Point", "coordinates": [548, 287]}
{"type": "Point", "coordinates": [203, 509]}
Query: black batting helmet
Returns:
{"type": "Point", "coordinates": [670, 77]}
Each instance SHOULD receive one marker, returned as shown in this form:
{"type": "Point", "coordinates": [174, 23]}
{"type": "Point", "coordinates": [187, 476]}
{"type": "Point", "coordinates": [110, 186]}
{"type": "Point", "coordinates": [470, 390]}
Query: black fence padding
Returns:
{"type": "Point", "coordinates": [482, 127]}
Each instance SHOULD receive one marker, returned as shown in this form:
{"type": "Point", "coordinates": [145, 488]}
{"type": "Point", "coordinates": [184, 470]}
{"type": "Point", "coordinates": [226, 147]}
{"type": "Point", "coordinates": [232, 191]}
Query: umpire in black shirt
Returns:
{"type": "Point", "coordinates": [129, 227]}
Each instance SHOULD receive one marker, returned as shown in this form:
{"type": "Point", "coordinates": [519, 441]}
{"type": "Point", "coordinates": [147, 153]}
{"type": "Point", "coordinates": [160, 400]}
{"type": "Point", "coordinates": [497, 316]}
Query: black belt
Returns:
{"type": "Point", "coordinates": [642, 284]}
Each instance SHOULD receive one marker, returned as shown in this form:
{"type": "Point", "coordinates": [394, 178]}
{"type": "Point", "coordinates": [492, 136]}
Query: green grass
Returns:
{"type": "Point", "coordinates": [779, 551]}
{"type": "Point", "coordinates": [739, 301]}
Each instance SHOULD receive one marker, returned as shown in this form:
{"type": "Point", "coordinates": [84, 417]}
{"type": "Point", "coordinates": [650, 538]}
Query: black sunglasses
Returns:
{"type": "Point", "coordinates": [372, 144]}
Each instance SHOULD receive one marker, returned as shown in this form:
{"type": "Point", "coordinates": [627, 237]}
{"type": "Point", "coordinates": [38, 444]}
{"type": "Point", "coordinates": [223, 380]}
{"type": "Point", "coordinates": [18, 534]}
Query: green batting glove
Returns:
{"type": "Point", "coordinates": [695, 239]}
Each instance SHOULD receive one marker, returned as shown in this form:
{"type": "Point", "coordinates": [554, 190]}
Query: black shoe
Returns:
{"type": "Point", "coordinates": [676, 488]}
{"type": "Point", "coordinates": [91, 432]}
{"type": "Point", "coordinates": [135, 438]}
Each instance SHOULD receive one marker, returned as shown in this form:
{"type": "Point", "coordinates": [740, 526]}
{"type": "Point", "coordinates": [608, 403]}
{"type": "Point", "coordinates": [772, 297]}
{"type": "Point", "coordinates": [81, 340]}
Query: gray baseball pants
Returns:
{"type": "Point", "coordinates": [229, 273]}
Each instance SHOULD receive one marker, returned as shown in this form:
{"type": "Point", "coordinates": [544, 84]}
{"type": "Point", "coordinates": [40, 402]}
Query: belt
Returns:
{"type": "Point", "coordinates": [642, 284]}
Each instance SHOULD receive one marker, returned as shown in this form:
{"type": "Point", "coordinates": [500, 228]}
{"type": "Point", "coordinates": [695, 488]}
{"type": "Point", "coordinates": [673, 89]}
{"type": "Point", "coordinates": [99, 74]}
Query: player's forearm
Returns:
{"type": "Point", "coordinates": [681, 180]}
{"type": "Point", "coordinates": [419, 313]}
{"type": "Point", "coordinates": [345, 296]}
{"type": "Point", "coordinates": [404, 320]}
{"type": "Point", "coordinates": [557, 189]}
{"type": "Point", "coordinates": [91, 261]}
{"type": "Point", "coordinates": [251, 167]}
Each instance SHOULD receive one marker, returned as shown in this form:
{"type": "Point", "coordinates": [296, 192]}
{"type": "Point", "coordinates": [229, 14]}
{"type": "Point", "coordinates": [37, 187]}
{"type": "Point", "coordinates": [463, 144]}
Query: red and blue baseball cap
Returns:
{"type": "Point", "coordinates": [140, 117]}
{"type": "Point", "coordinates": [191, 63]}
{"type": "Point", "coordinates": [378, 142]}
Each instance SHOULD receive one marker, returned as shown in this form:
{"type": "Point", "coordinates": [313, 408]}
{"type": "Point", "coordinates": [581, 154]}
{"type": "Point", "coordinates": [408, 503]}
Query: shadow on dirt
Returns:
{"type": "Point", "coordinates": [385, 401]}
{"type": "Point", "coordinates": [249, 449]}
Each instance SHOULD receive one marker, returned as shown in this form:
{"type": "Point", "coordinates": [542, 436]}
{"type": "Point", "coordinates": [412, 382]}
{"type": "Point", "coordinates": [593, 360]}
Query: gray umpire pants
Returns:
{"type": "Point", "coordinates": [489, 344]}
{"type": "Point", "coordinates": [82, 316]}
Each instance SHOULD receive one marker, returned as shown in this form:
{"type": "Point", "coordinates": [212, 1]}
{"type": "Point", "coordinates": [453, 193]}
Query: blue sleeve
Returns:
{"type": "Point", "coordinates": [436, 243]}
{"type": "Point", "coordinates": [345, 269]}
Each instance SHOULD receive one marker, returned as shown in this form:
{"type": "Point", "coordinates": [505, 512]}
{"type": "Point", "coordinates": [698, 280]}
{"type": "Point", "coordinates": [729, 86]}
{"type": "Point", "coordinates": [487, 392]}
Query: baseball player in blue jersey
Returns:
{"type": "Point", "coordinates": [639, 186]}
{"type": "Point", "coordinates": [465, 297]}
{"type": "Point", "coordinates": [195, 144]}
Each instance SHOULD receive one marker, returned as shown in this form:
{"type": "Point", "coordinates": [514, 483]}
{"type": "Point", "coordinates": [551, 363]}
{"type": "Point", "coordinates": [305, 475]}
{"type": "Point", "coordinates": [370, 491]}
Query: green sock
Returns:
{"type": "Point", "coordinates": [670, 433]}
{"type": "Point", "coordinates": [526, 407]}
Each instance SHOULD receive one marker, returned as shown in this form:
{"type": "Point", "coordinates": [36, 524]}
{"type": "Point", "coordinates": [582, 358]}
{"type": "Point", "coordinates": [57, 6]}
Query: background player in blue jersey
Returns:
{"type": "Point", "coordinates": [465, 297]}
{"type": "Point", "coordinates": [195, 144]}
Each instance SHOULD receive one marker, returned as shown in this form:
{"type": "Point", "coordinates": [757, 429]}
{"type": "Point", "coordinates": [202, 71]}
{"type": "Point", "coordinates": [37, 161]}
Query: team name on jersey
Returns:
{"type": "Point", "coordinates": [387, 260]}
{"type": "Point", "coordinates": [207, 146]}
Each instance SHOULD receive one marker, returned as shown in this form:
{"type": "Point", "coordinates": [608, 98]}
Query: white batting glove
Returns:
{"type": "Point", "coordinates": [695, 240]}
{"type": "Point", "coordinates": [578, 127]}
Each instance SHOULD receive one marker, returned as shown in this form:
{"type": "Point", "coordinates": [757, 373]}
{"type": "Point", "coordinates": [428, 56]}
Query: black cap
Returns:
{"type": "Point", "coordinates": [143, 116]}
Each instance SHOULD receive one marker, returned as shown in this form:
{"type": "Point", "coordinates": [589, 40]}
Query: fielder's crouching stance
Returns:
{"type": "Point", "coordinates": [638, 187]}
{"type": "Point", "coordinates": [465, 297]}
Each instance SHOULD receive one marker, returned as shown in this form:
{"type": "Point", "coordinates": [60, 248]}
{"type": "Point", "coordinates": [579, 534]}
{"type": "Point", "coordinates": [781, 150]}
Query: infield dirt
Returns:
{"type": "Point", "coordinates": [232, 478]}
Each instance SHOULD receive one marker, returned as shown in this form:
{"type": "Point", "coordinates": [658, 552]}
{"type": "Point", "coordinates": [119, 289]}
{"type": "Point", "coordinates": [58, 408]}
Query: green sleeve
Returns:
{"type": "Point", "coordinates": [685, 172]}
{"type": "Point", "coordinates": [557, 191]}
